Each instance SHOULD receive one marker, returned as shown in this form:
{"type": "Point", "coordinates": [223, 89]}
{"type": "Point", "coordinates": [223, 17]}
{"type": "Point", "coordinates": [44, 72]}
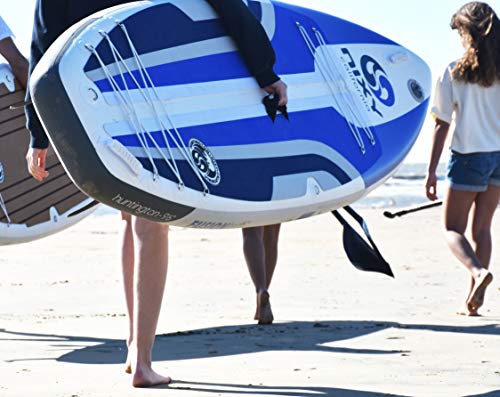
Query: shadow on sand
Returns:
{"type": "Point", "coordinates": [234, 340]}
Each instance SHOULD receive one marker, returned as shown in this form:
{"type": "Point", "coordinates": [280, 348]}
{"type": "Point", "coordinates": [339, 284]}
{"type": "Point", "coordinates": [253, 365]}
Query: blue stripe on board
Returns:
{"type": "Point", "coordinates": [290, 46]}
{"type": "Point", "coordinates": [322, 125]}
{"type": "Point", "coordinates": [394, 139]}
{"type": "Point", "coordinates": [168, 74]}
{"type": "Point", "coordinates": [251, 179]}
{"type": "Point", "coordinates": [165, 26]}
{"type": "Point", "coordinates": [397, 139]}
{"type": "Point", "coordinates": [156, 28]}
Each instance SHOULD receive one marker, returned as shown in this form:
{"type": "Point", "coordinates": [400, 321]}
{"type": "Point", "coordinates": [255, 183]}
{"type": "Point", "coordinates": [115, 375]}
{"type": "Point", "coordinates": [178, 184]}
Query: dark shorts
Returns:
{"type": "Point", "coordinates": [473, 172]}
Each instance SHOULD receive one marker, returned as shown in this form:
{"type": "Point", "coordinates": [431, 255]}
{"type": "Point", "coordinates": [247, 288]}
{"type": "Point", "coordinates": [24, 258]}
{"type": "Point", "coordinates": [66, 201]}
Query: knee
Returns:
{"type": "Point", "coordinates": [251, 235]}
{"type": "Point", "coordinates": [450, 226]}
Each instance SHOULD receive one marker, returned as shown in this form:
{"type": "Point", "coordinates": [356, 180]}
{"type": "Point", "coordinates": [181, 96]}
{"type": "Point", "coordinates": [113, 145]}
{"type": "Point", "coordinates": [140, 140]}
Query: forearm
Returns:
{"type": "Point", "coordinates": [38, 137]}
{"type": "Point", "coordinates": [250, 38]}
{"type": "Point", "coordinates": [16, 60]}
{"type": "Point", "coordinates": [438, 141]}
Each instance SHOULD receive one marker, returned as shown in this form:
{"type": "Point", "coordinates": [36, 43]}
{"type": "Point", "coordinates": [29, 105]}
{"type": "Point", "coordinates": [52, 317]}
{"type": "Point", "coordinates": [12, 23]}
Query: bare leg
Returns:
{"type": "Point", "coordinates": [151, 259]}
{"type": "Point", "coordinates": [261, 253]}
{"type": "Point", "coordinates": [127, 260]}
{"type": "Point", "coordinates": [457, 207]}
{"type": "Point", "coordinates": [484, 210]}
{"type": "Point", "coordinates": [271, 237]}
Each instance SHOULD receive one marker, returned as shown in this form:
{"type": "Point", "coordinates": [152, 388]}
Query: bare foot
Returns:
{"type": "Point", "coordinates": [263, 313]}
{"type": "Point", "coordinates": [466, 312]}
{"type": "Point", "coordinates": [476, 298]}
{"type": "Point", "coordinates": [146, 377]}
{"type": "Point", "coordinates": [128, 362]}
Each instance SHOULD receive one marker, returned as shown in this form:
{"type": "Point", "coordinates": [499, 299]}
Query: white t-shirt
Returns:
{"type": "Point", "coordinates": [476, 111]}
{"type": "Point", "coordinates": [4, 30]}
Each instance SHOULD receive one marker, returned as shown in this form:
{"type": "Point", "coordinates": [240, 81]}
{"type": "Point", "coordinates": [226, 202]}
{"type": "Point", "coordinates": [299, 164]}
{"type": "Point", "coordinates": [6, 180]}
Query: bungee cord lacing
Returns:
{"type": "Point", "coordinates": [338, 87]}
{"type": "Point", "coordinates": [363, 121]}
{"type": "Point", "coordinates": [127, 105]}
{"type": "Point", "coordinates": [128, 111]}
{"type": "Point", "coordinates": [151, 89]}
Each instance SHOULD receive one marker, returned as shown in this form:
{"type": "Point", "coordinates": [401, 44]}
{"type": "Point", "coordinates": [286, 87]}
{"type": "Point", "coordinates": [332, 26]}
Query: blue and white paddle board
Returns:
{"type": "Point", "coordinates": [152, 111]}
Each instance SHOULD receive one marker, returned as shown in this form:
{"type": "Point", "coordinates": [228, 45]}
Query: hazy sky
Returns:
{"type": "Point", "coordinates": [420, 25]}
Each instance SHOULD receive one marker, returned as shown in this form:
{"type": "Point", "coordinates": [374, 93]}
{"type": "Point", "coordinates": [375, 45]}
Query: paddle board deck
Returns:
{"type": "Point", "coordinates": [152, 110]}
{"type": "Point", "coordinates": [29, 209]}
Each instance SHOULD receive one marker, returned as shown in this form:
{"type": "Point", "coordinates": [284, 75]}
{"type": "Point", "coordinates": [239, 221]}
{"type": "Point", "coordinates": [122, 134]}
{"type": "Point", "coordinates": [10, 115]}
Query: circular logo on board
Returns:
{"type": "Point", "coordinates": [205, 161]}
{"type": "Point", "coordinates": [2, 173]}
{"type": "Point", "coordinates": [376, 77]}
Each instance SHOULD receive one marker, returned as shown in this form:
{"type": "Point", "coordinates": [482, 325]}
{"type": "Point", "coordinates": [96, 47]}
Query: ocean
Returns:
{"type": "Point", "coordinates": [405, 188]}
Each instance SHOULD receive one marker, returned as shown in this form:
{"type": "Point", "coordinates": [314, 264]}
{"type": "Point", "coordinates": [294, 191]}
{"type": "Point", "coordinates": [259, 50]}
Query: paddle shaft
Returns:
{"type": "Point", "coordinates": [392, 215]}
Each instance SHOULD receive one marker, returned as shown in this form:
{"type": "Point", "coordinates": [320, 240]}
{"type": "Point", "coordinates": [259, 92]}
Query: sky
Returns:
{"type": "Point", "coordinates": [420, 25]}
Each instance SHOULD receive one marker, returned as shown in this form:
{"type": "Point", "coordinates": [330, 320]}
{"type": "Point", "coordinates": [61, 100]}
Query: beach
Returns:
{"type": "Point", "coordinates": [337, 331]}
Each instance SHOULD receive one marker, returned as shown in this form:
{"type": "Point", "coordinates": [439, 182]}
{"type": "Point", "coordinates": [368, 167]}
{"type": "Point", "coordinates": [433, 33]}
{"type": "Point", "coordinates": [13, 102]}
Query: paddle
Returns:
{"type": "Point", "coordinates": [363, 256]}
{"type": "Point", "coordinates": [392, 215]}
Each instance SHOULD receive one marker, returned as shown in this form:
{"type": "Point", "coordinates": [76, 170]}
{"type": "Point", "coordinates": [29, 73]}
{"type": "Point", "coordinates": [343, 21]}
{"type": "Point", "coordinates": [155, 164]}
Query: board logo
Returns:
{"type": "Point", "coordinates": [370, 81]}
{"type": "Point", "coordinates": [2, 173]}
{"type": "Point", "coordinates": [205, 161]}
{"type": "Point", "coordinates": [378, 80]}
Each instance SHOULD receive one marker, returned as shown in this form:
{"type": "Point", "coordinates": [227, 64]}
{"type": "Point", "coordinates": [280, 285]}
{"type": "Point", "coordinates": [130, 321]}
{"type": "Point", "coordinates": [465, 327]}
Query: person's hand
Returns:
{"type": "Point", "coordinates": [431, 186]}
{"type": "Point", "coordinates": [280, 89]}
{"type": "Point", "coordinates": [35, 159]}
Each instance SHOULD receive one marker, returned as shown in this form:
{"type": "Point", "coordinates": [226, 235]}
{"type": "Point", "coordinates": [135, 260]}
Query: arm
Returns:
{"type": "Point", "coordinates": [254, 45]}
{"type": "Point", "coordinates": [49, 22]}
{"type": "Point", "coordinates": [16, 60]}
{"type": "Point", "coordinates": [440, 133]}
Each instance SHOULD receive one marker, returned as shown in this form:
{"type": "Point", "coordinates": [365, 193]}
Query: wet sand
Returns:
{"type": "Point", "coordinates": [337, 331]}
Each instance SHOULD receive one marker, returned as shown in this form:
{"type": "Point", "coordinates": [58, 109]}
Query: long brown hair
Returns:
{"type": "Point", "coordinates": [479, 27]}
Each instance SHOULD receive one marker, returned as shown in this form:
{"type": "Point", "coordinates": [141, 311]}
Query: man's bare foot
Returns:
{"type": "Point", "coordinates": [263, 313]}
{"type": "Point", "coordinates": [146, 377]}
{"type": "Point", "coordinates": [476, 298]}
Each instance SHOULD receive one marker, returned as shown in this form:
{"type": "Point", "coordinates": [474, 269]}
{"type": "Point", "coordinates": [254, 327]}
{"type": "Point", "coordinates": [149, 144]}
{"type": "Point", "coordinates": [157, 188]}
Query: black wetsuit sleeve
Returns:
{"type": "Point", "coordinates": [250, 38]}
{"type": "Point", "coordinates": [52, 18]}
{"type": "Point", "coordinates": [48, 24]}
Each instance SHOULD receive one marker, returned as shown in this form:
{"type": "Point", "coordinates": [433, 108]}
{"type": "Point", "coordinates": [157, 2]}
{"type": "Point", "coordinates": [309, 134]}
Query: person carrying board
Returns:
{"type": "Point", "coordinates": [144, 249]}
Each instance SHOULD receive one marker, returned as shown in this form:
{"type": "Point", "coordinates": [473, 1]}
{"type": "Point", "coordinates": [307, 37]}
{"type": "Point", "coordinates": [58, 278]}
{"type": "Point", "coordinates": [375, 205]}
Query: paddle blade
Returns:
{"type": "Point", "coordinates": [362, 255]}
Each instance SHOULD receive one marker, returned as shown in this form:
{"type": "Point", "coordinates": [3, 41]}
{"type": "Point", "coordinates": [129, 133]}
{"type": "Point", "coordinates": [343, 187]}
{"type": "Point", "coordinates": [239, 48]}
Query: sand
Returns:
{"type": "Point", "coordinates": [338, 331]}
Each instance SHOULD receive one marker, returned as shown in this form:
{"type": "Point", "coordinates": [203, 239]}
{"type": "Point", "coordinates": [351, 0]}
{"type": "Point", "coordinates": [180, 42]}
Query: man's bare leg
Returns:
{"type": "Point", "coordinates": [151, 260]}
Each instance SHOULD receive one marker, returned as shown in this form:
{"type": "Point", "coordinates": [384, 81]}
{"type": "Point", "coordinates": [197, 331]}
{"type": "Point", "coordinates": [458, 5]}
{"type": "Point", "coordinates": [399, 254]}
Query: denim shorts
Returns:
{"type": "Point", "coordinates": [473, 172]}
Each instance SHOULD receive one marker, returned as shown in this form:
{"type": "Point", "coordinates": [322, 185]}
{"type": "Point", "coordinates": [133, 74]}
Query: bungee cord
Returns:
{"type": "Point", "coordinates": [128, 111]}
{"type": "Point", "coordinates": [151, 88]}
{"type": "Point", "coordinates": [337, 85]}
{"type": "Point", "coordinates": [360, 116]}
{"type": "Point", "coordinates": [151, 97]}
